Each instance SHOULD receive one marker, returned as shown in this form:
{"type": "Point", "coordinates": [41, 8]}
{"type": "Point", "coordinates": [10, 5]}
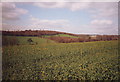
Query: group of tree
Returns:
{"type": "Point", "coordinates": [36, 33]}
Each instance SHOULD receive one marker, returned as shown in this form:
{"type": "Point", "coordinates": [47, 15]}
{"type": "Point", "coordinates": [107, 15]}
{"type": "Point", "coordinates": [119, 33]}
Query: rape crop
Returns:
{"type": "Point", "coordinates": [62, 61]}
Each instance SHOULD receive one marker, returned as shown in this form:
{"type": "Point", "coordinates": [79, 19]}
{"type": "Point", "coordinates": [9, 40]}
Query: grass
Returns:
{"type": "Point", "coordinates": [61, 35]}
{"type": "Point", "coordinates": [23, 40]}
{"type": "Point", "coordinates": [61, 61]}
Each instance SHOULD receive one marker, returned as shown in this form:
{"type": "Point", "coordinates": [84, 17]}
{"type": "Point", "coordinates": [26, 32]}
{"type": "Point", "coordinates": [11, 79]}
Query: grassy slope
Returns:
{"type": "Point", "coordinates": [23, 39]}
{"type": "Point", "coordinates": [61, 35]}
{"type": "Point", "coordinates": [90, 60]}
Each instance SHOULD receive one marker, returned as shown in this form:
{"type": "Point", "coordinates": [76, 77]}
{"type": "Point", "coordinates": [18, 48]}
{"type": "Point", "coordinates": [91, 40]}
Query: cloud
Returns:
{"type": "Point", "coordinates": [78, 6]}
{"type": "Point", "coordinates": [98, 26]}
{"type": "Point", "coordinates": [50, 4]}
{"type": "Point", "coordinates": [73, 6]}
{"type": "Point", "coordinates": [11, 12]}
{"type": "Point", "coordinates": [48, 24]}
{"type": "Point", "coordinates": [38, 24]}
{"type": "Point", "coordinates": [92, 29]}
{"type": "Point", "coordinates": [34, 23]}
{"type": "Point", "coordinates": [103, 16]}
{"type": "Point", "coordinates": [96, 9]}
{"type": "Point", "coordinates": [104, 10]}
{"type": "Point", "coordinates": [101, 22]}
{"type": "Point", "coordinates": [6, 26]}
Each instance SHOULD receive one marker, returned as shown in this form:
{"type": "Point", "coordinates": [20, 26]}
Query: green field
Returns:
{"type": "Point", "coordinates": [23, 40]}
{"type": "Point", "coordinates": [61, 35]}
{"type": "Point", "coordinates": [60, 61]}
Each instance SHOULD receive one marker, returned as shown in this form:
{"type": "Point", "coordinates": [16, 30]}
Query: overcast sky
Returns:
{"type": "Point", "coordinates": [72, 17]}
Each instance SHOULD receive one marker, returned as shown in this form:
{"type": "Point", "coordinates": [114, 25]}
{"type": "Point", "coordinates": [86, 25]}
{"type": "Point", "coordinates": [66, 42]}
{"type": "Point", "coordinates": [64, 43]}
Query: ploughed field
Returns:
{"type": "Point", "coordinates": [61, 61]}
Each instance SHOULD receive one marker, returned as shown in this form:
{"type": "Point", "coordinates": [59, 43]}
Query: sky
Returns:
{"type": "Point", "coordinates": [72, 17]}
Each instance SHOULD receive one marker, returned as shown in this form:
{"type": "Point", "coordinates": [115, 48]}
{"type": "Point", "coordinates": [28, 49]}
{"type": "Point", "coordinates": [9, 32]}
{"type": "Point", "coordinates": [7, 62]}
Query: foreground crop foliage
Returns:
{"type": "Point", "coordinates": [61, 61]}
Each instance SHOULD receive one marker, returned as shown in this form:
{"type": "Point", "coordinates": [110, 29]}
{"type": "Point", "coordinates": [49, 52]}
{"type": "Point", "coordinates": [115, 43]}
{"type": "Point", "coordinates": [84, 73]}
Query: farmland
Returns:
{"type": "Point", "coordinates": [48, 60]}
{"type": "Point", "coordinates": [61, 35]}
{"type": "Point", "coordinates": [22, 40]}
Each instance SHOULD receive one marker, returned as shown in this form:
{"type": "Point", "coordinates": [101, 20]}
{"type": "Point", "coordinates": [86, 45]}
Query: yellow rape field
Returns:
{"type": "Point", "coordinates": [61, 61]}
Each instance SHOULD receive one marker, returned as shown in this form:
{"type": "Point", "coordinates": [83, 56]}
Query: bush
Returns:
{"type": "Point", "coordinates": [30, 41]}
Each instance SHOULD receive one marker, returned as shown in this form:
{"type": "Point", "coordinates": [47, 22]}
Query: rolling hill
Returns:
{"type": "Point", "coordinates": [61, 37]}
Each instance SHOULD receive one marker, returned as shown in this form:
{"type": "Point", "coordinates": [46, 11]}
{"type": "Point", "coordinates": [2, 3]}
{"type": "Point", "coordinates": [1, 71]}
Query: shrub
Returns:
{"type": "Point", "coordinates": [30, 41]}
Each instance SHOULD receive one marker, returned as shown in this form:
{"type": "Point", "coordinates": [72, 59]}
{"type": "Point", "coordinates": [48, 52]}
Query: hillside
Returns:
{"type": "Point", "coordinates": [61, 37]}
{"type": "Point", "coordinates": [23, 40]}
{"type": "Point", "coordinates": [35, 33]}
